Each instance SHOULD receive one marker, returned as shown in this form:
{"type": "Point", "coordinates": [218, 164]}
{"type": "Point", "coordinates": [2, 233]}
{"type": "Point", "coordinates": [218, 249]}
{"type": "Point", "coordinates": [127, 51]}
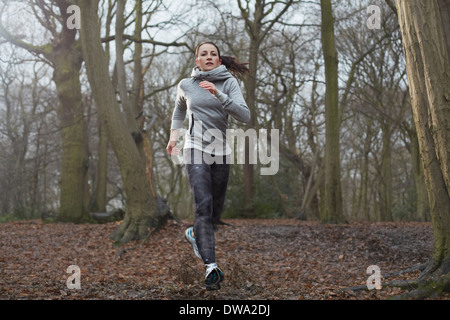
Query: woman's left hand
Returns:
{"type": "Point", "coordinates": [209, 86]}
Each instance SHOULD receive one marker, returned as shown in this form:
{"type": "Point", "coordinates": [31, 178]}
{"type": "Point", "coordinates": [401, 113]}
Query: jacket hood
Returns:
{"type": "Point", "coordinates": [218, 74]}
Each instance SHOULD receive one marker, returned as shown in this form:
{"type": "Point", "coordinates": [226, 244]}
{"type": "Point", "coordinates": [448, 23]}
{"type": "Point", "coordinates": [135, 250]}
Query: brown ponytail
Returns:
{"type": "Point", "coordinates": [235, 67]}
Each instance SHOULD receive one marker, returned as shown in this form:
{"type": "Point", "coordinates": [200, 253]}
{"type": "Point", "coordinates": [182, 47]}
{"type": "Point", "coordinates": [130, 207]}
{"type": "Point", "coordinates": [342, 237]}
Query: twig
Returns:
{"type": "Point", "coordinates": [418, 267]}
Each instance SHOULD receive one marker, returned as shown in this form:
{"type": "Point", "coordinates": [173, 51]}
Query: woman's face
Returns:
{"type": "Point", "coordinates": [207, 57]}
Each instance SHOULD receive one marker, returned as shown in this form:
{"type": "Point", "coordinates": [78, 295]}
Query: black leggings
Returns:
{"type": "Point", "coordinates": [208, 184]}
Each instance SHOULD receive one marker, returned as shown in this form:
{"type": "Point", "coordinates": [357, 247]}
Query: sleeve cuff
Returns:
{"type": "Point", "coordinates": [222, 97]}
{"type": "Point", "coordinates": [176, 124]}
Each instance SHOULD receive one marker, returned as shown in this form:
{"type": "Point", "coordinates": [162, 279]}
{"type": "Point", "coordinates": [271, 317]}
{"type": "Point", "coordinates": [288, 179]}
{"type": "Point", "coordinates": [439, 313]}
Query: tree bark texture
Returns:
{"type": "Point", "coordinates": [386, 174]}
{"type": "Point", "coordinates": [422, 203]}
{"type": "Point", "coordinates": [141, 206]}
{"type": "Point", "coordinates": [425, 40]}
{"type": "Point", "coordinates": [66, 57]}
{"type": "Point", "coordinates": [100, 198]}
{"type": "Point", "coordinates": [333, 209]}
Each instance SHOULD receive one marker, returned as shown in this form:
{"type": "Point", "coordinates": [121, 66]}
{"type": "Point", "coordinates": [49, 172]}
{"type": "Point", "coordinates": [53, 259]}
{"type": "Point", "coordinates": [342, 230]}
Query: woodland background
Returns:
{"type": "Point", "coordinates": [86, 98]}
{"type": "Point", "coordinates": [381, 175]}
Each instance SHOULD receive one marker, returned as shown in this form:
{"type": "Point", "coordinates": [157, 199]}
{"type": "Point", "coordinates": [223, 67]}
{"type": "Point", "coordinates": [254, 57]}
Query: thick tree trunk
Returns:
{"type": "Point", "coordinates": [428, 67]}
{"type": "Point", "coordinates": [141, 206]}
{"type": "Point", "coordinates": [66, 58]}
{"type": "Point", "coordinates": [333, 211]}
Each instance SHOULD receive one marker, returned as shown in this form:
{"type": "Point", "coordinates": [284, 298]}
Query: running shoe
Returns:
{"type": "Point", "coordinates": [190, 238]}
{"type": "Point", "coordinates": [213, 278]}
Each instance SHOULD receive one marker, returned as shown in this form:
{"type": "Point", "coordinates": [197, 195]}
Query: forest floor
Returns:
{"type": "Point", "coordinates": [261, 259]}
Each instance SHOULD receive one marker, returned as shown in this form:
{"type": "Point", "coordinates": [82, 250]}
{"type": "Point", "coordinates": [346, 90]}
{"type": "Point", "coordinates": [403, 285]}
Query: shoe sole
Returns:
{"type": "Point", "coordinates": [193, 244]}
{"type": "Point", "coordinates": [214, 286]}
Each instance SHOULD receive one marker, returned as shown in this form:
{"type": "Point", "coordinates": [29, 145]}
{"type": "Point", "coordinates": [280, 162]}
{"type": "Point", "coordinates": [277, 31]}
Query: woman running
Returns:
{"type": "Point", "coordinates": [208, 97]}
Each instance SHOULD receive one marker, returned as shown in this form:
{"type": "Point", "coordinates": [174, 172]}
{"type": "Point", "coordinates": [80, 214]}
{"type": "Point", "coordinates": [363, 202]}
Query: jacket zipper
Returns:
{"type": "Point", "coordinates": [192, 124]}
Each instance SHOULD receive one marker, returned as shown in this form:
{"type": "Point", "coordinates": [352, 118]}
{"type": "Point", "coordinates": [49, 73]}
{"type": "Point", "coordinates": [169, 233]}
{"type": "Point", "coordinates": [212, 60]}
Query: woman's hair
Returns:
{"type": "Point", "coordinates": [231, 63]}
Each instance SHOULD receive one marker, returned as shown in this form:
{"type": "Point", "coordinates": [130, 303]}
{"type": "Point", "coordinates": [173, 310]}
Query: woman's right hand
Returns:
{"type": "Point", "coordinates": [172, 149]}
{"type": "Point", "coordinates": [171, 146]}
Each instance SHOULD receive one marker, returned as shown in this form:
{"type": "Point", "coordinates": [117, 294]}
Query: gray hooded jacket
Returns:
{"type": "Point", "coordinates": [208, 113]}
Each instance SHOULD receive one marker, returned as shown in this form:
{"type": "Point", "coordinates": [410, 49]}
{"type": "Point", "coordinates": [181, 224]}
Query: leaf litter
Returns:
{"type": "Point", "coordinates": [282, 259]}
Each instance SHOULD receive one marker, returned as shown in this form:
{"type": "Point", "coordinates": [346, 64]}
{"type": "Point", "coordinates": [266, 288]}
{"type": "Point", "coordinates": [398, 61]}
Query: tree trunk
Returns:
{"type": "Point", "coordinates": [422, 206]}
{"type": "Point", "coordinates": [141, 206]}
{"type": "Point", "coordinates": [128, 109]}
{"type": "Point", "coordinates": [66, 58]}
{"type": "Point", "coordinates": [254, 29]}
{"type": "Point", "coordinates": [386, 174]}
{"type": "Point", "coordinates": [248, 168]}
{"type": "Point", "coordinates": [428, 67]}
{"type": "Point", "coordinates": [362, 206]}
{"type": "Point", "coordinates": [100, 194]}
{"type": "Point", "coordinates": [100, 200]}
{"type": "Point", "coordinates": [73, 158]}
{"type": "Point", "coordinates": [333, 210]}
